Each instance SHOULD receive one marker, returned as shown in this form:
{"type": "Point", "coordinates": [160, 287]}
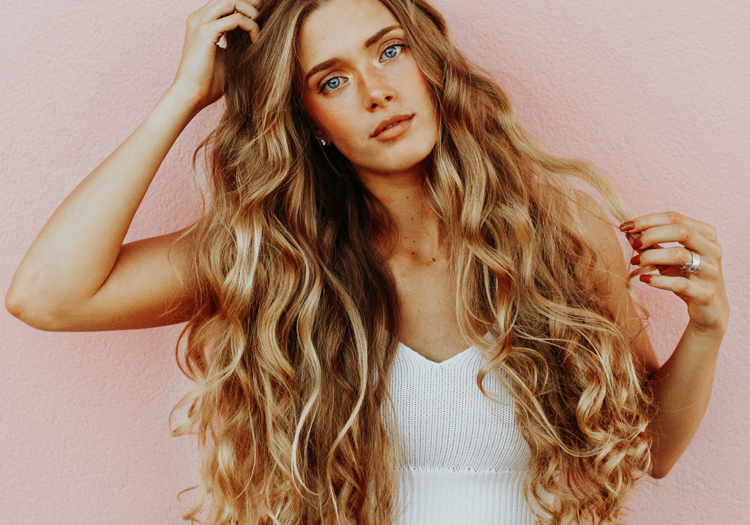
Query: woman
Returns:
{"type": "Point", "coordinates": [376, 209]}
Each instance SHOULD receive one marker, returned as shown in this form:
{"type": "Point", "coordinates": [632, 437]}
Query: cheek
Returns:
{"type": "Point", "coordinates": [347, 133]}
{"type": "Point", "coordinates": [336, 121]}
{"type": "Point", "coordinates": [427, 99]}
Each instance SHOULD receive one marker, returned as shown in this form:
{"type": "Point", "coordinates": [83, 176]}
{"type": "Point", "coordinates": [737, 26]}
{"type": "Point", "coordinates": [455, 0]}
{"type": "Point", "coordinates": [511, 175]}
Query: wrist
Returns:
{"type": "Point", "coordinates": [172, 113]}
{"type": "Point", "coordinates": [714, 333]}
{"type": "Point", "coordinates": [178, 105]}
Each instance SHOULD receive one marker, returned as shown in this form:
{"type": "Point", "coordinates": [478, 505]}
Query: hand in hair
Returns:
{"type": "Point", "coordinates": [200, 76]}
{"type": "Point", "coordinates": [703, 291]}
{"type": "Point", "coordinates": [682, 385]}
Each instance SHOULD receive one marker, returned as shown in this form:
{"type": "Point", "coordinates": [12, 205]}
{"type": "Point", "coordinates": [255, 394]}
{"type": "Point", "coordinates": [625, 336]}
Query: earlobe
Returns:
{"type": "Point", "coordinates": [320, 135]}
{"type": "Point", "coordinates": [323, 139]}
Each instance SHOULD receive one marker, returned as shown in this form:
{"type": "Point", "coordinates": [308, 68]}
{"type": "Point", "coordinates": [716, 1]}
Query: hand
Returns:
{"type": "Point", "coordinates": [200, 76]}
{"type": "Point", "coordinates": [703, 291]}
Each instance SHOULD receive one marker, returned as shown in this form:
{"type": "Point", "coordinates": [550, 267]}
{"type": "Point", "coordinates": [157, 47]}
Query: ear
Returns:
{"type": "Point", "coordinates": [321, 135]}
{"type": "Point", "coordinates": [316, 129]}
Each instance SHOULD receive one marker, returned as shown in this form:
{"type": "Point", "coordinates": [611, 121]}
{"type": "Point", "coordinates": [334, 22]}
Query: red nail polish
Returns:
{"type": "Point", "coordinates": [627, 226]}
{"type": "Point", "coordinates": [637, 243]}
{"type": "Point", "coordinates": [646, 278]}
{"type": "Point", "coordinates": [636, 260]}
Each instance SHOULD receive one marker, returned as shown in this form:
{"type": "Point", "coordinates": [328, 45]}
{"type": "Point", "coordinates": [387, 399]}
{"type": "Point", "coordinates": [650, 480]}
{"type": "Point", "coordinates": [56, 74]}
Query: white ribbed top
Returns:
{"type": "Point", "coordinates": [464, 457]}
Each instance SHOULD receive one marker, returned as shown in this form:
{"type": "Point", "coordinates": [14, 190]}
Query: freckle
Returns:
{"type": "Point", "coordinates": [412, 253]}
{"type": "Point", "coordinates": [433, 259]}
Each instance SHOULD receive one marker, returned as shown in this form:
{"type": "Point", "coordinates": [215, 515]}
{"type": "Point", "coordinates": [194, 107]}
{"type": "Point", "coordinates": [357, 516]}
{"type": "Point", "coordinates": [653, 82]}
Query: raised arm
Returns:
{"type": "Point", "coordinates": [681, 385]}
{"type": "Point", "coordinates": [78, 275]}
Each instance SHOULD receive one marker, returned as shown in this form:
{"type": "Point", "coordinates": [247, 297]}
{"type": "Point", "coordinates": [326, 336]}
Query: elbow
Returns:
{"type": "Point", "coordinates": [15, 304]}
{"type": "Point", "coordinates": [12, 304]}
{"type": "Point", "coordinates": [659, 473]}
{"type": "Point", "coordinates": [660, 469]}
{"type": "Point", "coordinates": [30, 312]}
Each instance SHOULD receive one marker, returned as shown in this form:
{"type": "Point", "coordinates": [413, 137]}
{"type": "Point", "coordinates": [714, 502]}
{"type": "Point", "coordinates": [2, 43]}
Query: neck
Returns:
{"type": "Point", "coordinates": [419, 237]}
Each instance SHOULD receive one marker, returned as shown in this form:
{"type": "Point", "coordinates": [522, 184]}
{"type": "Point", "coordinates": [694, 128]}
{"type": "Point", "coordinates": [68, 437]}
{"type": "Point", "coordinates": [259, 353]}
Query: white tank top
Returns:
{"type": "Point", "coordinates": [464, 457]}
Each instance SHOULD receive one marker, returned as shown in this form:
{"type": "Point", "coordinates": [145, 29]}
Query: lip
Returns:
{"type": "Point", "coordinates": [404, 123]}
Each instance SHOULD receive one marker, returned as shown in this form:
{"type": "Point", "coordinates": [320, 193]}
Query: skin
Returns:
{"type": "Point", "coordinates": [372, 84]}
{"type": "Point", "coordinates": [78, 275]}
{"type": "Point", "coordinates": [393, 173]}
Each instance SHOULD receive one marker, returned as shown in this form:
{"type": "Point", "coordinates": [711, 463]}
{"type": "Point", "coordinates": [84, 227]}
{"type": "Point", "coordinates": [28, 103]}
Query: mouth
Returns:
{"type": "Point", "coordinates": [392, 127]}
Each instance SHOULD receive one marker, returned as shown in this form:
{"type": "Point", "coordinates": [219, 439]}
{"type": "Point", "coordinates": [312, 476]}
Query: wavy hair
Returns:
{"type": "Point", "coordinates": [291, 347]}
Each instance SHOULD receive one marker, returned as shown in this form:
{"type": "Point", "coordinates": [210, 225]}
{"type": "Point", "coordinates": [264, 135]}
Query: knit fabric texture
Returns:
{"type": "Point", "coordinates": [464, 457]}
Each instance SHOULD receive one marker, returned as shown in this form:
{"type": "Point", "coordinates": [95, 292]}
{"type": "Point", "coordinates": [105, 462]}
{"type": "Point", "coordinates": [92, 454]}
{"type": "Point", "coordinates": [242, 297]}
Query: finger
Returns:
{"type": "Point", "coordinates": [670, 217]}
{"type": "Point", "coordinates": [681, 233]}
{"type": "Point", "coordinates": [226, 8]}
{"type": "Point", "coordinates": [227, 23]}
{"type": "Point", "coordinates": [697, 291]}
{"type": "Point", "coordinates": [666, 259]}
{"type": "Point", "coordinates": [218, 8]}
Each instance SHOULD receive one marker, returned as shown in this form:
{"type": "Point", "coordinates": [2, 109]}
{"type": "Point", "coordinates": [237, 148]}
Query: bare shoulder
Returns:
{"type": "Point", "coordinates": [612, 269]}
{"type": "Point", "coordinates": [598, 225]}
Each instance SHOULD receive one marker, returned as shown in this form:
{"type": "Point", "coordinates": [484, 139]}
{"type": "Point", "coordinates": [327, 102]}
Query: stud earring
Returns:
{"type": "Point", "coordinates": [323, 142]}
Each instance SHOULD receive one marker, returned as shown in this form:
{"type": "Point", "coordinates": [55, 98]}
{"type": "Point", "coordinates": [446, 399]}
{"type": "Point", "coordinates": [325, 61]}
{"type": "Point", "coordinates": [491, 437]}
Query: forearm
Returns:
{"type": "Point", "coordinates": [682, 389]}
{"type": "Point", "coordinates": [76, 250]}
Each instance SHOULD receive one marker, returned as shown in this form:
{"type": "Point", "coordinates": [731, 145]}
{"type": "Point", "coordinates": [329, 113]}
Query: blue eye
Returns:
{"type": "Point", "coordinates": [389, 53]}
{"type": "Point", "coordinates": [331, 84]}
{"type": "Point", "coordinates": [392, 51]}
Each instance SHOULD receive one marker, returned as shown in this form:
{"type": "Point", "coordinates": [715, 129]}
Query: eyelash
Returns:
{"type": "Point", "coordinates": [325, 82]}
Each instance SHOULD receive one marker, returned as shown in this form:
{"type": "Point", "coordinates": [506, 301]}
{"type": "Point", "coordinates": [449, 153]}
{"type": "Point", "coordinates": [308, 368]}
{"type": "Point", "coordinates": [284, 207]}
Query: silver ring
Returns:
{"type": "Point", "coordinates": [694, 265]}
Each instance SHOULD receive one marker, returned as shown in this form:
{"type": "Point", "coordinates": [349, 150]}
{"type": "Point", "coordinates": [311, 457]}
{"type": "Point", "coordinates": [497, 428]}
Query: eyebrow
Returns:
{"type": "Point", "coordinates": [369, 43]}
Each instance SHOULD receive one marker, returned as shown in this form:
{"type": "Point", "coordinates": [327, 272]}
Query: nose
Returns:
{"type": "Point", "coordinates": [377, 91]}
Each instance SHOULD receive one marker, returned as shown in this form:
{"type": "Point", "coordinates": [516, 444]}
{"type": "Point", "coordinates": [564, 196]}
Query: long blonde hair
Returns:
{"type": "Point", "coordinates": [291, 344]}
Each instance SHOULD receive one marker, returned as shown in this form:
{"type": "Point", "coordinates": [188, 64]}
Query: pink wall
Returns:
{"type": "Point", "coordinates": [654, 93]}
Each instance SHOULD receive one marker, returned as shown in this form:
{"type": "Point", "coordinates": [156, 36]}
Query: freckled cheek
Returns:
{"type": "Point", "coordinates": [340, 124]}
{"type": "Point", "coordinates": [348, 133]}
{"type": "Point", "coordinates": [427, 98]}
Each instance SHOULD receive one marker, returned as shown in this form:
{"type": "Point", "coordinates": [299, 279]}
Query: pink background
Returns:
{"type": "Point", "coordinates": [654, 93]}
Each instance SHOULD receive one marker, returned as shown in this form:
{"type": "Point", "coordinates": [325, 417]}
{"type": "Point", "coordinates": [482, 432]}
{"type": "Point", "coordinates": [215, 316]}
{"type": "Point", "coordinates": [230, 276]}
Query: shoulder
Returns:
{"type": "Point", "coordinates": [611, 270]}
{"type": "Point", "coordinates": [595, 220]}
{"type": "Point", "coordinates": [600, 230]}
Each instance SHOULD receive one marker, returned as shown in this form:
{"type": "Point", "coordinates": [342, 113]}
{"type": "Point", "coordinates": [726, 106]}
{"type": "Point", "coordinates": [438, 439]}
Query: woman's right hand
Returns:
{"type": "Point", "coordinates": [78, 275]}
{"type": "Point", "coordinates": [200, 76]}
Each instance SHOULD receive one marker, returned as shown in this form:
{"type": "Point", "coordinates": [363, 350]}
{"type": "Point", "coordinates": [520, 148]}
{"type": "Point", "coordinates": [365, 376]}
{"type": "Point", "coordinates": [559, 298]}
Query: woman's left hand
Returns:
{"type": "Point", "coordinates": [702, 291]}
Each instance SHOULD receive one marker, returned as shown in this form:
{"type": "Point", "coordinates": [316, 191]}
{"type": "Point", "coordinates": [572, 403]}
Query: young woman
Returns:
{"type": "Point", "coordinates": [398, 307]}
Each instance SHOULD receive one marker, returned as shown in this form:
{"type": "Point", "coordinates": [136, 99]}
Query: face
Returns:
{"type": "Point", "coordinates": [358, 77]}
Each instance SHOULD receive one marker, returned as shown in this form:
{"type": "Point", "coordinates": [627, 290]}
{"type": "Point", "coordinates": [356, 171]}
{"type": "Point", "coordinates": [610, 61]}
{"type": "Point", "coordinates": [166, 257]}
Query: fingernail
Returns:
{"type": "Point", "coordinates": [637, 243]}
{"type": "Point", "coordinates": [646, 278]}
{"type": "Point", "coordinates": [636, 260]}
{"type": "Point", "coordinates": [627, 226]}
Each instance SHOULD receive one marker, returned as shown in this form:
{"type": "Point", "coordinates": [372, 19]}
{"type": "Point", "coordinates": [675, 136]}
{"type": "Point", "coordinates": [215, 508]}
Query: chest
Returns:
{"type": "Point", "coordinates": [427, 305]}
{"type": "Point", "coordinates": [445, 421]}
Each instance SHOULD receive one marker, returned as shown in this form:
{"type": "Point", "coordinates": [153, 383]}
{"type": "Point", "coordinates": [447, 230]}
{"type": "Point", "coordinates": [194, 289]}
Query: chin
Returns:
{"type": "Point", "coordinates": [402, 157]}
{"type": "Point", "coordinates": [399, 164]}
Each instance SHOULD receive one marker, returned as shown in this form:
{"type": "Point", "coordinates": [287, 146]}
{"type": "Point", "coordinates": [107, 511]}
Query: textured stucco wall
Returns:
{"type": "Point", "coordinates": [654, 93]}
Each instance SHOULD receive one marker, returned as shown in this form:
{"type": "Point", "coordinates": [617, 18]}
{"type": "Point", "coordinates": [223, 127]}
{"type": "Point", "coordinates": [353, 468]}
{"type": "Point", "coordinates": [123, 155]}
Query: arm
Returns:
{"type": "Point", "coordinates": [682, 388]}
{"type": "Point", "coordinates": [74, 271]}
{"type": "Point", "coordinates": [682, 385]}
{"type": "Point", "coordinates": [77, 274]}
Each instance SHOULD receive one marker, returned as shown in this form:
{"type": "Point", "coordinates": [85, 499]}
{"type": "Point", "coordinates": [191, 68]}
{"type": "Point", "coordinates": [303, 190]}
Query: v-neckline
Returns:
{"type": "Point", "coordinates": [444, 362]}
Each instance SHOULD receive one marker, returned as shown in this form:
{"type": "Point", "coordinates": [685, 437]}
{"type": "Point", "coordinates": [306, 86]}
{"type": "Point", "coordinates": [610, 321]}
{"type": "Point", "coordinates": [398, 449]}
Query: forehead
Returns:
{"type": "Point", "coordinates": [339, 27]}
